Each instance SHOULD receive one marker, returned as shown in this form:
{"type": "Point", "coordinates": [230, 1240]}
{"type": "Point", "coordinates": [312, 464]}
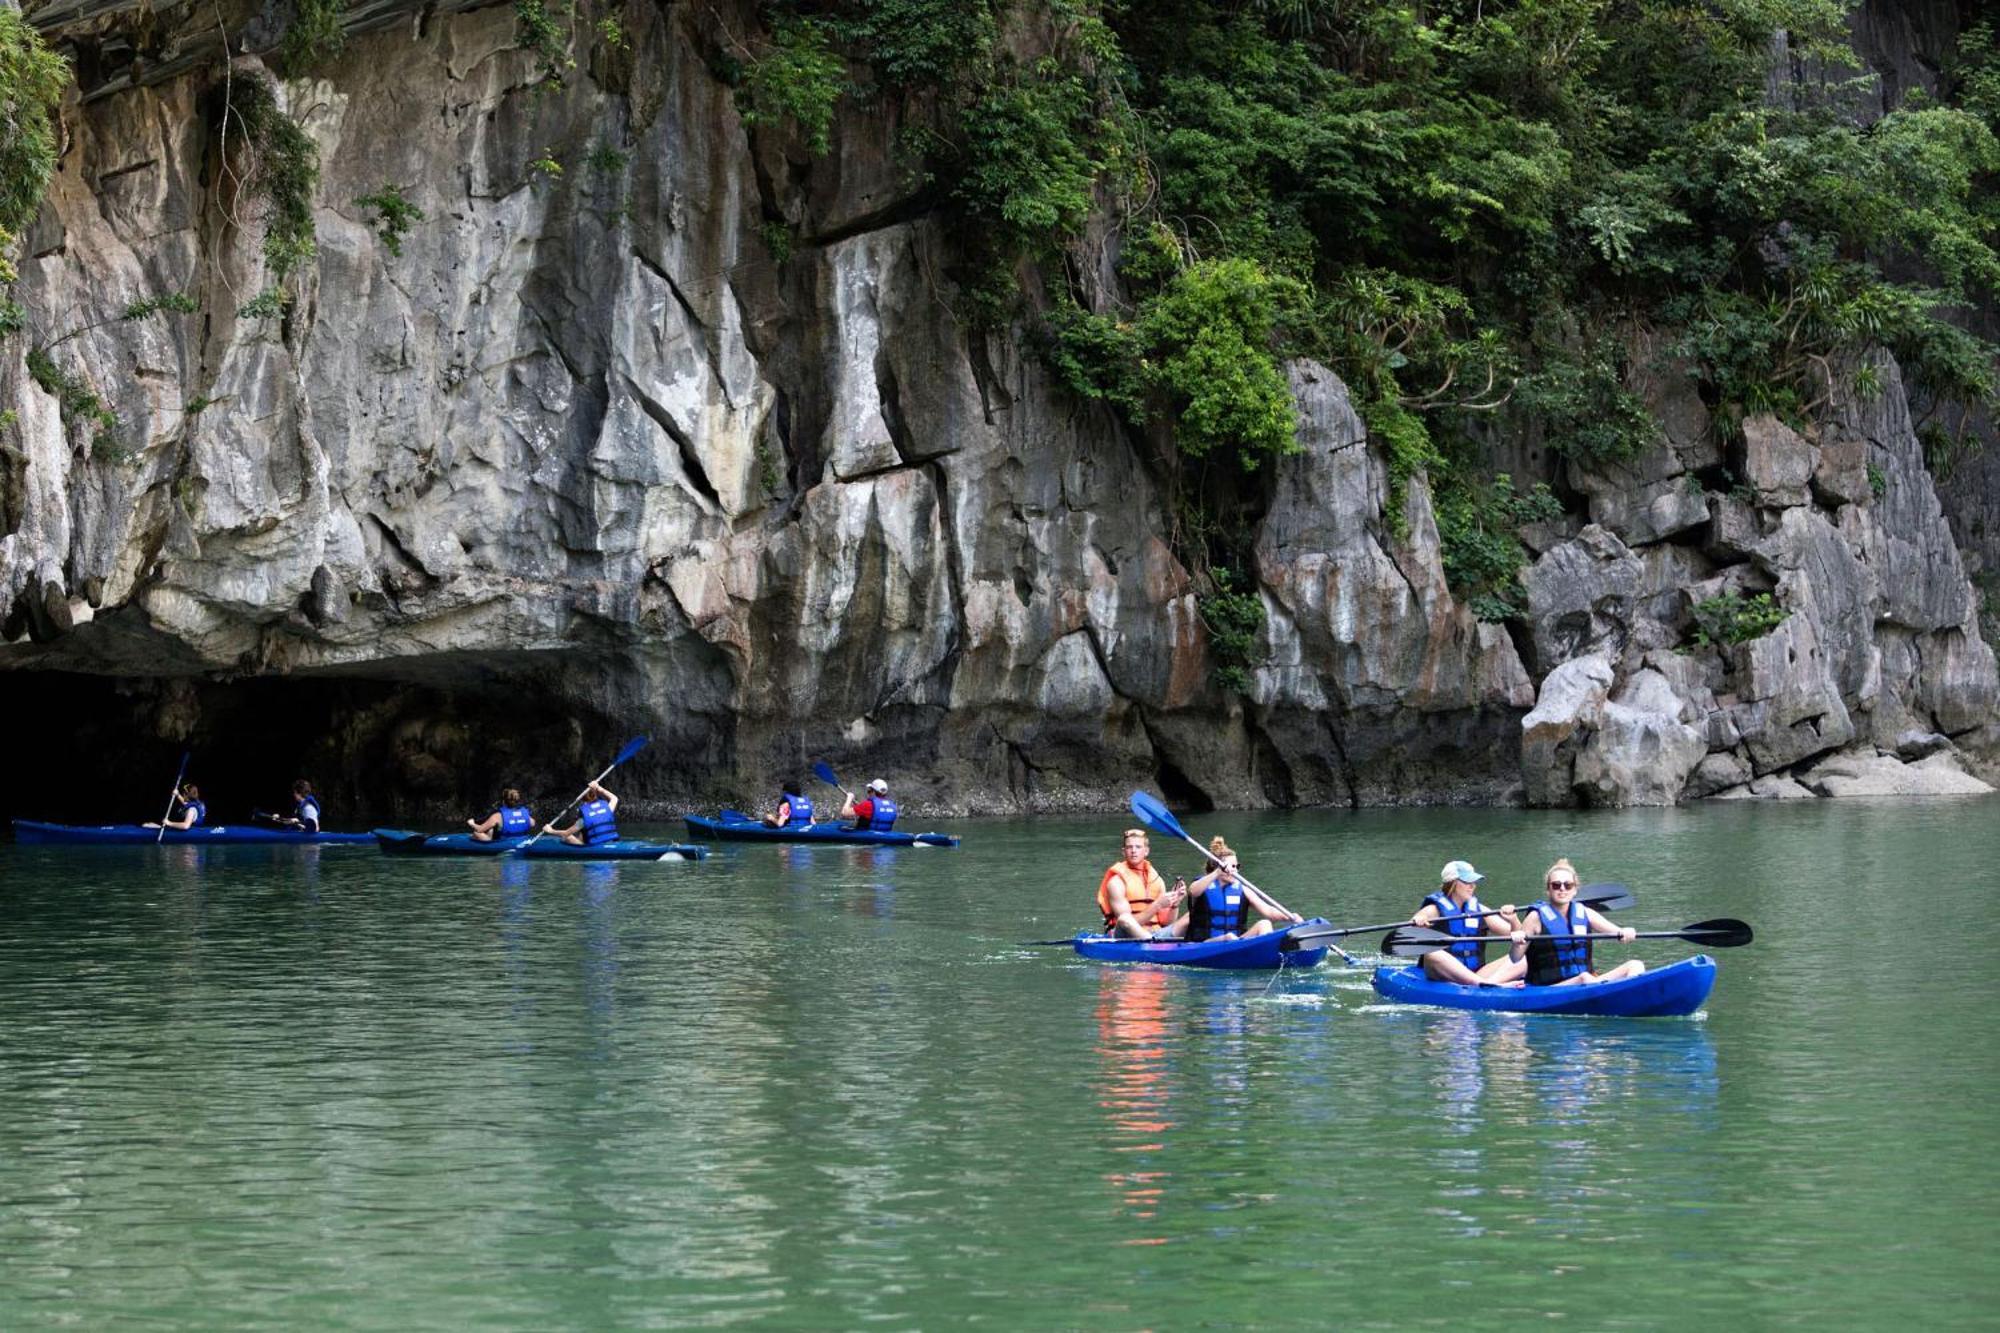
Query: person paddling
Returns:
{"type": "Point", "coordinates": [793, 809]}
{"type": "Point", "coordinates": [1134, 899]}
{"type": "Point", "coordinates": [510, 819]}
{"type": "Point", "coordinates": [1456, 910]}
{"type": "Point", "coordinates": [595, 822]}
{"type": "Point", "coordinates": [1544, 945]}
{"type": "Point", "coordinates": [873, 811]}
{"type": "Point", "coordinates": [1219, 903]}
{"type": "Point", "coordinates": [187, 799]}
{"type": "Point", "coordinates": [305, 809]}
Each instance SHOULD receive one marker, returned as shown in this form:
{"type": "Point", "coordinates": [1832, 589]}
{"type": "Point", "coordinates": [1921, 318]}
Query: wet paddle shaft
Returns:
{"type": "Point", "coordinates": [1158, 818]}
{"type": "Point", "coordinates": [632, 747]}
{"type": "Point", "coordinates": [174, 795]}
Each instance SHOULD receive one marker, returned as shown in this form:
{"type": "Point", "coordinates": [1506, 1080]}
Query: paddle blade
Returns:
{"type": "Point", "coordinates": [1721, 933]}
{"type": "Point", "coordinates": [1414, 942]}
{"type": "Point", "coordinates": [1607, 897]}
{"type": "Point", "coordinates": [825, 774]}
{"type": "Point", "coordinates": [1156, 816]}
{"type": "Point", "coordinates": [632, 747]}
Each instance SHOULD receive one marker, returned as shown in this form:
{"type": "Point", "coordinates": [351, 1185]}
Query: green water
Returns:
{"type": "Point", "coordinates": [825, 1086]}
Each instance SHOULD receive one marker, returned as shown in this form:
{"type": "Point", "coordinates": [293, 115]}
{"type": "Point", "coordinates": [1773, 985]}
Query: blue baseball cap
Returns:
{"type": "Point", "coordinates": [1459, 870]}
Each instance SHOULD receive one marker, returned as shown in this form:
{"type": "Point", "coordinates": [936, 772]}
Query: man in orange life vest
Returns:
{"type": "Point", "coordinates": [1132, 896]}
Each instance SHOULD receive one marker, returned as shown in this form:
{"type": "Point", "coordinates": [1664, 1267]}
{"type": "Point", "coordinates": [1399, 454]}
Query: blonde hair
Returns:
{"type": "Point", "coordinates": [1562, 864]}
{"type": "Point", "coordinates": [1138, 833]}
{"type": "Point", "coordinates": [1218, 849]}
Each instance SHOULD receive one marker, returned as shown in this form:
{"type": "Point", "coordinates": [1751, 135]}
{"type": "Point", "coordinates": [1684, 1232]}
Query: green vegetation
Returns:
{"type": "Point", "coordinates": [281, 168]}
{"type": "Point", "coordinates": [267, 304]}
{"type": "Point", "coordinates": [32, 79]}
{"type": "Point", "coordinates": [313, 39]}
{"type": "Point", "coordinates": [76, 398]}
{"type": "Point", "coordinates": [541, 33]}
{"type": "Point", "coordinates": [796, 77]}
{"type": "Point", "coordinates": [547, 166]}
{"type": "Point", "coordinates": [1232, 619]}
{"type": "Point", "coordinates": [394, 216]}
{"type": "Point", "coordinates": [1476, 532]}
{"type": "Point", "coordinates": [1734, 618]}
{"type": "Point", "coordinates": [1472, 210]}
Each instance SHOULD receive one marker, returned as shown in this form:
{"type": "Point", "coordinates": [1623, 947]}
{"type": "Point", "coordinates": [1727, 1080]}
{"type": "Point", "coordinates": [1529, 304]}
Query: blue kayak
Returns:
{"type": "Point", "coordinates": [202, 835]}
{"type": "Point", "coordinates": [404, 842]}
{"type": "Point", "coordinates": [1253, 951]}
{"type": "Point", "coordinates": [735, 826]}
{"type": "Point", "coordinates": [1672, 991]}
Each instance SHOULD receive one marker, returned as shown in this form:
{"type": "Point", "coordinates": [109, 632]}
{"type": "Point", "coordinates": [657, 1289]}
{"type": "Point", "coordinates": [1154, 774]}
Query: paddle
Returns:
{"type": "Point", "coordinates": [1603, 897]}
{"type": "Point", "coordinates": [173, 795]}
{"type": "Point", "coordinates": [825, 774]}
{"type": "Point", "coordinates": [632, 747]}
{"type": "Point", "coordinates": [1161, 820]}
{"type": "Point", "coordinates": [1721, 933]}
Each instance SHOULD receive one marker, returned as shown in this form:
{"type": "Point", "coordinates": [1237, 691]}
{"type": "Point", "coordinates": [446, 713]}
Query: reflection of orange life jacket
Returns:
{"type": "Point", "coordinates": [1143, 887]}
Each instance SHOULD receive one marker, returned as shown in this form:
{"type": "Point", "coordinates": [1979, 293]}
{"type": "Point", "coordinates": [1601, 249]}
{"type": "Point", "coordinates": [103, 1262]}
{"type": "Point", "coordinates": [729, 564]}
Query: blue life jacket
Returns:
{"type": "Point", "coordinates": [516, 820]}
{"type": "Point", "coordinates": [199, 810]}
{"type": "Point", "coordinates": [1219, 911]}
{"type": "Point", "coordinates": [1471, 954]}
{"type": "Point", "coordinates": [884, 817]}
{"type": "Point", "coordinates": [801, 808]}
{"type": "Point", "coordinates": [1563, 956]}
{"type": "Point", "coordinates": [306, 811]}
{"type": "Point", "coordinates": [598, 825]}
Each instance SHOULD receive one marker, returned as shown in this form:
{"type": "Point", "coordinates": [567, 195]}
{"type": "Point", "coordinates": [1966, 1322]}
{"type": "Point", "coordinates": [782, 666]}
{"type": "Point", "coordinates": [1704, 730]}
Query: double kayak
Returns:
{"type": "Point", "coordinates": [1247, 952]}
{"type": "Point", "coordinates": [202, 835]}
{"type": "Point", "coordinates": [735, 826]}
{"type": "Point", "coordinates": [404, 842]}
{"type": "Point", "coordinates": [1672, 991]}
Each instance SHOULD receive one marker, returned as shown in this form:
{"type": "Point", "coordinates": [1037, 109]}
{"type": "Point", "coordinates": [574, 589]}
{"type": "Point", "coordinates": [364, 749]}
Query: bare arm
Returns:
{"type": "Point", "coordinates": [1599, 922]}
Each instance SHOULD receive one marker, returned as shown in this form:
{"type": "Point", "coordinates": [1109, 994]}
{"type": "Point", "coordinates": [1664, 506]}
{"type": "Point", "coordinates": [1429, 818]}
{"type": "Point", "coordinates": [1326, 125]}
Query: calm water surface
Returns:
{"type": "Point", "coordinates": [830, 1086]}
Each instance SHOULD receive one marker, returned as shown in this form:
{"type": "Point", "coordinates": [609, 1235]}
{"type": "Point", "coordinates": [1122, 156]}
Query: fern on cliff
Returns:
{"type": "Point", "coordinates": [32, 79]}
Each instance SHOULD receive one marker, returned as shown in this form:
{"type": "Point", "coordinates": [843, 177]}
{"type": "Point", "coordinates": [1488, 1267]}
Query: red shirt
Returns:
{"type": "Point", "coordinates": [864, 810]}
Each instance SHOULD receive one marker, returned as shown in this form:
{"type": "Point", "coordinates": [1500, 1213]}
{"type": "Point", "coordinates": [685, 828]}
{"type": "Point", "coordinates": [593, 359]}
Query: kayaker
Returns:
{"type": "Point", "coordinates": [1134, 899]}
{"type": "Point", "coordinates": [1455, 909]}
{"type": "Point", "coordinates": [510, 819]}
{"type": "Point", "coordinates": [305, 809]}
{"type": "Point", "coordinates": [873, 811]}
{"type": "Point", "coordinates": [793, 808]}
{"type": "Point", "coordinates": [1218, 903]}
{"type": "Point", "coordinates": [187, 798]}
{"type": "Point", "coordinates": [594, 822]}
{"type": "Point", "coordinates": [1543, 948]}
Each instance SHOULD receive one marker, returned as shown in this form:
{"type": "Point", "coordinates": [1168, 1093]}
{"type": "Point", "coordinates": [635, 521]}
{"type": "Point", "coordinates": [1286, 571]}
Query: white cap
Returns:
{"type": "Point", "coordinates": [878, 785]}
{"type": "Point", "coordinates": [1460, 870]}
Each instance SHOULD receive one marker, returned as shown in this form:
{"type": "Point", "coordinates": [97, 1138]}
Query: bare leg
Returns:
{"type": "Point", "coordinates": [1261, 928]}
{"type": "Point", "coordinates": [1630, 968]}
{"type": "Point", "coordinates": [1504, 971]}
{"type": "Point", "coordinates": [1441, 966]}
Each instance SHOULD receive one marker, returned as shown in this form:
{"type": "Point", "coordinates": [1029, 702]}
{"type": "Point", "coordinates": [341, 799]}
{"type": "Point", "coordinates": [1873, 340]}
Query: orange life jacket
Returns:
{"type": "Point", "coordinates": [1143, 889]}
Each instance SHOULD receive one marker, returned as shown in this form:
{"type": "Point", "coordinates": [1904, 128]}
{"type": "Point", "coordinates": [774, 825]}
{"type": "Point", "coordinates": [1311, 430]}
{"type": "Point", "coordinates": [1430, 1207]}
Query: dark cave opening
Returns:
{"type": "Point", "coordinates": [104, 749]}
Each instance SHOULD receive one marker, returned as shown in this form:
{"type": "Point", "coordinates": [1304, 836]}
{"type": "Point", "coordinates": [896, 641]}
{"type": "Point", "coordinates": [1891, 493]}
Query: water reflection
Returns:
{"type": "Point", "coordinates": [1133, 1032]}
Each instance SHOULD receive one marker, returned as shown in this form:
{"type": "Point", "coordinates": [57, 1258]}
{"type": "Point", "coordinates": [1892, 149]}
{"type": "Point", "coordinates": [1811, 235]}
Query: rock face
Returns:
{"type": "Point", "coordinates": [599, 443]}
{"type": "Point", "coordinates": [687, 438]}
{"type": "Point", "coordinates": [1878, 644]}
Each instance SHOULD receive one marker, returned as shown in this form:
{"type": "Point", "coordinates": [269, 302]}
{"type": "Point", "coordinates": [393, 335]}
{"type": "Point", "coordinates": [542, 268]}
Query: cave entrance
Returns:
{"type": "Point", "coordinates": [104, 749]}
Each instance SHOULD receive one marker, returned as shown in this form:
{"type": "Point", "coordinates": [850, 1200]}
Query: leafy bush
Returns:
{"type": "Point", "coordinates": [1734, 618]}
{"type": "Point", "coordinates": [797, 77]}
{"type": "Point", "coordinates": [1478, 528]}
{"type": "Point", "coordinates": [282, 169]}
{"type": "Point", "coordinates": [1233, 619]}
{"type": "Point", "coordinates": [314, 36]}
{"type": "Point", "coordinates": [394, 216]}
{"type": "Point", "coordinates": [32, 79]}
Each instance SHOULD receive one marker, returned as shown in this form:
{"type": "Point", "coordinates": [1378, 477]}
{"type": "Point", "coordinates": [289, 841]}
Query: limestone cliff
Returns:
{"type": "Point", "coordinates": [686, 437]}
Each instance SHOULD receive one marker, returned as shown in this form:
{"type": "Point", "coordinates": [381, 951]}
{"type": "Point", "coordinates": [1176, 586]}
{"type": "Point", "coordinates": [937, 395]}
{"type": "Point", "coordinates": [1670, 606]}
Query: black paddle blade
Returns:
{"type": "Point", "coordinates": [1721, 933]}
{"type": "Point", "coordinates": [1607, 897]}
{"type": "Point", "coordinates": [1414, 942]}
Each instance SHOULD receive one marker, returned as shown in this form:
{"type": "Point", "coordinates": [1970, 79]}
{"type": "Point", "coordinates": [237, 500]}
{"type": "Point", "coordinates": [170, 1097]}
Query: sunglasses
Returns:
{"type": "Point", "coordinates": [1555, 884]}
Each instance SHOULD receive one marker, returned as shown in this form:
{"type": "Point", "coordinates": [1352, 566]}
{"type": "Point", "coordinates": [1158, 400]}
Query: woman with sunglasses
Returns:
{"type": "Point", "coordinates": [1219, 904]}
{"type": "Point", "coordinates": [1456, 909]}
{"type": "Point", "coordinates": [1553, 941]}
